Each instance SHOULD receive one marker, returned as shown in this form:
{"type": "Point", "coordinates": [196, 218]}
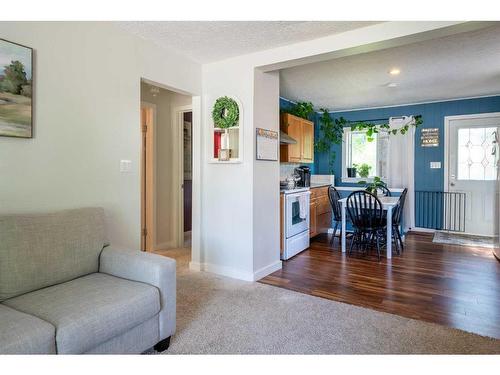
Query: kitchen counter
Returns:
{"type": "Point", "coordinates": [291, 191]}
{"type": "Point", "coordinates": [318, 185]}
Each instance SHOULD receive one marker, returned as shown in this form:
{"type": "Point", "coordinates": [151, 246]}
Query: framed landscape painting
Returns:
{"type": "Point", "coordinates": [16, 83]}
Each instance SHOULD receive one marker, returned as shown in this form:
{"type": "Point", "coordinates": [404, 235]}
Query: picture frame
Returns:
{"type": "Point", "coordinates": [267, 144]}
{"type": "Point", "coordinates": [16, 90]}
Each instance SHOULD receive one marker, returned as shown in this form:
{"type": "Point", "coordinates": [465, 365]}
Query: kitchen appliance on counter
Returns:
{"type": "Point", "coordinates": [305, 176]}
{"type": "Point", "coordinates": [295, 222]}
{"type": "Point", "coordinates": [289, 183]}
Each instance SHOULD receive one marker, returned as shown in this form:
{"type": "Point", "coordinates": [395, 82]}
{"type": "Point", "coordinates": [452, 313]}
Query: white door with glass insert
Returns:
{"type": "Point", "coordinates": [472, 168]}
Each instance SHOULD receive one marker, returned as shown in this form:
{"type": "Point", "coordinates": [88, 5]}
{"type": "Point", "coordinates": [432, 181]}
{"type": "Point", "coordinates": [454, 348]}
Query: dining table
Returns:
{"type": "Point", "coordinates": [388, 204]}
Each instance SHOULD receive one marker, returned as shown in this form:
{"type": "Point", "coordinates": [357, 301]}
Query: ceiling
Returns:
{"type": "Point", "coordinates": [457, 66]}
{"type": "Point", "coordinates": [209, 41]}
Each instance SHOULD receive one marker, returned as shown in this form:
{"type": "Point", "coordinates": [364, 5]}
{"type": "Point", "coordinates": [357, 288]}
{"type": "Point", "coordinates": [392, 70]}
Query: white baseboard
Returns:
{"type": "Point", "coordinates": [194, 266]}
{"type": "Point", "coordinates": [425, 230]}
{"type": "Point", "coordinates": [235, 273]}
{"type": "Point", "coordinates": [222, 270]}
{"type": "Point", "coordinates": [264, 271]}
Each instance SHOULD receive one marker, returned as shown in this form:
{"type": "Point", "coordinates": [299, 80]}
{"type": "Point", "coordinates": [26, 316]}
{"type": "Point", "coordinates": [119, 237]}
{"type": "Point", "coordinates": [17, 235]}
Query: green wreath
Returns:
{"type": "Point", "coordinates": [225, 112]}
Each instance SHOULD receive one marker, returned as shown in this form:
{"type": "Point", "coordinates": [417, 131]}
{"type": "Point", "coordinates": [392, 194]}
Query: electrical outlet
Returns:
{"type": "Point", "coordinates": [125, 166]}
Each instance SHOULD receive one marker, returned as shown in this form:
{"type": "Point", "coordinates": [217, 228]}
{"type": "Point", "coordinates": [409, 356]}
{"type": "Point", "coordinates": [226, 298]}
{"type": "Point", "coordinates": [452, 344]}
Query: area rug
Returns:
{"type": "Point", "coordinates": [219, 315]}
{"type": "Point", "coordinates": [463, 240]}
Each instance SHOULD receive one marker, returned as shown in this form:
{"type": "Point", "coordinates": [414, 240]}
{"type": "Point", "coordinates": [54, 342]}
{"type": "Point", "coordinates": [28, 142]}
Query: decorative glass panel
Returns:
{"type": "Point", "coordinates": [475, 159]}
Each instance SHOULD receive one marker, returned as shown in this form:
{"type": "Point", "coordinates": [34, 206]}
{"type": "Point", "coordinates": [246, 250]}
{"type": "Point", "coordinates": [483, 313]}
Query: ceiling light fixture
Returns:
{"type": "Point", "coordinates": [394, 71]}
{"type": "Point", "coordinates": [392, 84]}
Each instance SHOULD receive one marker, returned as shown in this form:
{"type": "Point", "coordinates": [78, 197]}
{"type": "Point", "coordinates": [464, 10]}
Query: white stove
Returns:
{"type": "Point", "coordinates": [296, 221]}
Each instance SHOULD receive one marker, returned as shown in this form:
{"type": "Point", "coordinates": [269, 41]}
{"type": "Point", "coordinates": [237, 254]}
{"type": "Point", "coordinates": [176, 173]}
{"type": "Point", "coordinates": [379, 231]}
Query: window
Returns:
{"type": "Point", "coordinates": [358, 150]}
{"type": "Point", "coordinates": [475, 158]}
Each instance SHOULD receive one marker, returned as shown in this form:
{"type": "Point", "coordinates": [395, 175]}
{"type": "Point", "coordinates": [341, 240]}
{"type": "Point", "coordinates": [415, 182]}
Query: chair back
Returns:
{"type": "Point", "coordinates": [386, 191]}
{"type": "Point", "coordinates": [365, 210]}
{"type": "Point", "coordinates": [334, 197]}
{"type": "Point", "coordinates": [396, 219]}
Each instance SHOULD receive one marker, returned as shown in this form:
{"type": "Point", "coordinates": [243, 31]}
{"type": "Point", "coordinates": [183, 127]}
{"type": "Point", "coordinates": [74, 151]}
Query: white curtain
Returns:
{"type": "Point", "coordinates": [400, 174]}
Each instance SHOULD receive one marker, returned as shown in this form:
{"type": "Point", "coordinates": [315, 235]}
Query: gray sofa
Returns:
{"type": "Point", "coordinates": [64, 290]}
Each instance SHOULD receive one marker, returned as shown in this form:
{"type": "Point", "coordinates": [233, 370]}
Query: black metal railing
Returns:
{"type": "Point", "coordinates": [440, 210]}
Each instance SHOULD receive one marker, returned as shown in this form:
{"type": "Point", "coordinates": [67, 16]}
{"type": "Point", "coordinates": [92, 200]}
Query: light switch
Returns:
{"type": "Point", "coordinates": [435, 165]}
{"type": "Point", "coordinates": [125, 166]}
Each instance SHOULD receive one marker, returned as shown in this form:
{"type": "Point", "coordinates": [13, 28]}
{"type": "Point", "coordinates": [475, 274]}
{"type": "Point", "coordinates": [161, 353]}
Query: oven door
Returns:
{"type": "Point", "coordinates": [294, 223]}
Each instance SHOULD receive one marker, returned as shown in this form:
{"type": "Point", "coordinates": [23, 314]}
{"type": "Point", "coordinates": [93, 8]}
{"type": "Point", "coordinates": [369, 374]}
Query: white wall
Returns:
{"type": "Point", "coordinates": [266, 176]}
{"type": "Point", "coordinates": [87, 100]}
{"type": "Point", "coordinates": [167, 217]}
{"type": "Point", "coordinates": [227, 207]}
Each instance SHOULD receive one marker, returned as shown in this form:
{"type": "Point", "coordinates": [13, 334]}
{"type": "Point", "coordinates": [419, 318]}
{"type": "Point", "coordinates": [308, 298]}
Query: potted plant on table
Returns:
{"type": "Point", "coordinates": [374, 185]}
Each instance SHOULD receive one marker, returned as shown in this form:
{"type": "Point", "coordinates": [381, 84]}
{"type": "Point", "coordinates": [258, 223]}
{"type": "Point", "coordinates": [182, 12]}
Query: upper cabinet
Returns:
{"type": "Point", "coordinates": [303, 132]}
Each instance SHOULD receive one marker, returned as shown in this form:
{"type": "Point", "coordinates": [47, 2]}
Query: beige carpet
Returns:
{"type": "Point", "coordinates": [218, 315]}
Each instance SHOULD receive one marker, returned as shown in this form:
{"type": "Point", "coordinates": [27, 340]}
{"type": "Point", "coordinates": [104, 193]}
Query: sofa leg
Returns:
{"type": "Point", "coordinates": [162, 345]}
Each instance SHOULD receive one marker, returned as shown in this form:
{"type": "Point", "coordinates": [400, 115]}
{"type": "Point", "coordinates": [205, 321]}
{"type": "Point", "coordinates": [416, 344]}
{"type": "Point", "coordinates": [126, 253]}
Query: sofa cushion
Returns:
{"type": "Point", "coordinates": [91, 309]}
{"type": "Point", "coordinates": [40, 250]}
{"type": "Point", "coordinates": [21, 333]}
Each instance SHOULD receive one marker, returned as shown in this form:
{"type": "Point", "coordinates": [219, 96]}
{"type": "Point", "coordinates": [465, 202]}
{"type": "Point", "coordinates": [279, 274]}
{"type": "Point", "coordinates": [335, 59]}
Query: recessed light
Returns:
{"type": "Point", "coordinates": [394, 71]}
{"type": "Point", "coordinates": [392, 84]}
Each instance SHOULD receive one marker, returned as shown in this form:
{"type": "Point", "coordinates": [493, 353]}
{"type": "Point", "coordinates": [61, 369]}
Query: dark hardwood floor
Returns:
{"type": "Point", "coordinates": [451, 285]}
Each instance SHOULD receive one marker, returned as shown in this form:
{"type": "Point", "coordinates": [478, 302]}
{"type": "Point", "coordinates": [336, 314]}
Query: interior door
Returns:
{"type": "Point", "coordinates": [473, 169]}
{"type": "Point", "coordinates": [147, 178]}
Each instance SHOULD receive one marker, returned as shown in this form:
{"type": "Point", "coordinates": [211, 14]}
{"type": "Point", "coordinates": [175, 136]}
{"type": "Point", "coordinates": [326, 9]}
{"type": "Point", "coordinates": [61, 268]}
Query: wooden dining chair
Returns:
{"type": "Point", "coordinates": [396, 220]}
{"type": "Point", "coordinates": [365, 211]}
{"type": "Point", "coordinates": [334, 197]}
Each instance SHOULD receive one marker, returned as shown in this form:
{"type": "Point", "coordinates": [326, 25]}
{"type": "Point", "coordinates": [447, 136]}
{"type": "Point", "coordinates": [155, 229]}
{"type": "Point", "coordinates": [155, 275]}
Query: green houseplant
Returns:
{"type": "Point", "coordinates": [374, 185]}
{"type": "Point", "coordinates": [301, 109]}
{"type": "Point", "coordinates": [363, 169]}
{"type": "Point", "coordinates": [331, 134]}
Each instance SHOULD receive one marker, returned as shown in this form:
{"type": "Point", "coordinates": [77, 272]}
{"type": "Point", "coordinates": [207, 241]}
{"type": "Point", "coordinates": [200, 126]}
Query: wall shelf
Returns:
{"type": "Point", "coordinates": [235, 138]}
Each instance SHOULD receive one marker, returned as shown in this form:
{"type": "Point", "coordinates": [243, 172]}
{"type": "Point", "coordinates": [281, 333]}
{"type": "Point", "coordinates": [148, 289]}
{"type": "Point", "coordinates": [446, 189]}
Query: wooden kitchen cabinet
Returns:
{"type": "Point", "coordinates": [313, 219]}
{"type": "Point", "coordinates": [307, 142]}
{"type": "Point", "coordinates": [303, 132]}
{"type": "Point", "coordinates": [320, 211]}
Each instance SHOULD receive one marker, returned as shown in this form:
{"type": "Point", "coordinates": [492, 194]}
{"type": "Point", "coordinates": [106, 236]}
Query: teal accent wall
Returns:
{"type": "Point", "coordinates": [433, 114]}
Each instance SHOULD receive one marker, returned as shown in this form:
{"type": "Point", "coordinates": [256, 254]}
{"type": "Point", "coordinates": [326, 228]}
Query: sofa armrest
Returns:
{"type": "Point", "coordinates": [148, 268]}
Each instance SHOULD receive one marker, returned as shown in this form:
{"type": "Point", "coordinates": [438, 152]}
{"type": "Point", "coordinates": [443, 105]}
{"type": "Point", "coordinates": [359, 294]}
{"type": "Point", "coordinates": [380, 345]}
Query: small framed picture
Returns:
{"type": "Point", "coordinates": [16, 90]}
{"type": "Point", "coordinates": [267, 145]}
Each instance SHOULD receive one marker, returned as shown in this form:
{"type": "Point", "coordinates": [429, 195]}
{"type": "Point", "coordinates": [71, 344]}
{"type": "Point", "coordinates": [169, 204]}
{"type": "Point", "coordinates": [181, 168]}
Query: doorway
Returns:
{"type": "Point", "coordinates": [183, 122]}
{"type": "Point", "coordinates": [471, 167]}
{"type": "Point", "coordinates": [166, 168]}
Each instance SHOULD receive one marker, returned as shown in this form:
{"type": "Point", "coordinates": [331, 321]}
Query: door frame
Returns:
{"type": "Point", "coordinates": [178, 123]}
{"type": "Point", "coordinates": [447, 134]}
{"type": "Point", "coordinates": [145, 202]}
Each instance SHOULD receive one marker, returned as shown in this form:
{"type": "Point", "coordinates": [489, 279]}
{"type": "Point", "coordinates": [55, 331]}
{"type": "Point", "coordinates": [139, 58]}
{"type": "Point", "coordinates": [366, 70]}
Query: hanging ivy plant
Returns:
{"type": "Point", "coordinates": [372, 129]}
{"type": "Point", "coordinates": [301, 109]}
{"type": "Point", "coordinates": [225, 112]}
{"type": "Point", "coordinates": [331, 132]}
